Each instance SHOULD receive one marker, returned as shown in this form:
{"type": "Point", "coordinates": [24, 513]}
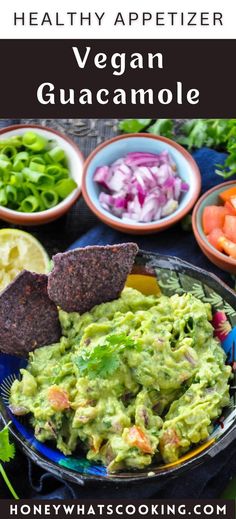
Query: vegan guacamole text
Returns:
{"type": "Point", "coordinates": [136, 380]}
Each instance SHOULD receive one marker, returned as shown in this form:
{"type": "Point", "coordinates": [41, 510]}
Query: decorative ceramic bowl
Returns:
{"type": "Point", "coordinates": [211, 197]}
{"type": "Point", "coordinates": [75, 164]}
{"type": "Point", "coordinates": [111, 150]}
{"type": "Point", "coordinates": [151, 274]}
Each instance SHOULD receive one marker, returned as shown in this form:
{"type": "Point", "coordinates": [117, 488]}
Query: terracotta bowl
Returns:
{"type": "Point", "coordinates": [75, 163]}
{"type": "Point", "coordinates": [111, 150]}
{"type": "Point", "coordinates": [211, 197]}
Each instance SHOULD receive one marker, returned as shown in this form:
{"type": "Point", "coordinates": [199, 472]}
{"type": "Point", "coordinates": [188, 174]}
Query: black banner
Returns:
{"type": "Point", "coordinates": [122, 509]}
{"type": "Point", "coordinates": [163, 86]}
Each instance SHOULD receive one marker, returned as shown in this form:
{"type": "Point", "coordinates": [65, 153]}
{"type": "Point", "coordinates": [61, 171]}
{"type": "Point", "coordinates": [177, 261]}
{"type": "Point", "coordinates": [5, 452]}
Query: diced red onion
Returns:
{"type": "Point", "coordinates": [105, 200]}
{"type": "Point", "coordinates": [120, 202]}
{"type": "Point", "coordinates": [169, 207]}
{"type": "Point", "coordinates": [169, 183]}
{"type": "Point", "coordinates": [102, 175]}
{"type": "Point", "coordinates": [184, 186]}
{"type": "Point", "coordinates": [177, 188]}
{"type": "Point", "coordinates": [138, 154]}
{"type": "Point", "coordinates": [142, 186]}
{"type": "Point", "coordinates": [163, 174]}
{"type": "Point", "coordinates": [142, 161]}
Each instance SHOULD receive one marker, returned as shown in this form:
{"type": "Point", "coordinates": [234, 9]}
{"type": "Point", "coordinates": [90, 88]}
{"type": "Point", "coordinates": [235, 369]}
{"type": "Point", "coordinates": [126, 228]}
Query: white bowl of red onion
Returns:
{"type": "Point", "coordinates": [140, 183]}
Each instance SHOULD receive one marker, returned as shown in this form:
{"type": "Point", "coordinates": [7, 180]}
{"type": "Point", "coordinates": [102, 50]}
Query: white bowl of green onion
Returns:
{"type": "Point", "coordinates": [40, 174]}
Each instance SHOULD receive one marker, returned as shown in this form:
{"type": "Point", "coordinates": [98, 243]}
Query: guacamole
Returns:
{"type": "Point", "coordinates": [135, 380]}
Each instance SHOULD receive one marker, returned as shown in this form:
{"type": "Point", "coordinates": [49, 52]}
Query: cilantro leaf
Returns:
{"type": "Point", "coordinates": [7, 449]}
{"type": "Point", "coordinates": [133, 125]}
{"type": "Point", "coordinates": [104, 359]}
{"type": "Point", "coordinates": [219, 134]}
{"type": "Point", "coordinates": [120, 341]}
{"type": "Point", "coordinates": [99, 362]}
{"type": "Point", "coordinates": [7, 452]}
{"type": "Point", "coordinates": [194, 133]}
{"type": "Point", "coordinates": [164, 127]}
{"type": "Point", "coordinates": [109, 365]}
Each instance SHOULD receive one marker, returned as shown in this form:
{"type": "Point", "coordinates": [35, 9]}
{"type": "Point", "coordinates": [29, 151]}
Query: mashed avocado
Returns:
{"type": "Point", "coordinates": [134, 380]}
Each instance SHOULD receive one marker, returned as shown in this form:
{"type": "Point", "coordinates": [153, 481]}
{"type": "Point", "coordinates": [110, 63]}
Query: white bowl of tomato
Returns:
{"type": "Point", "coordinates": [214, 225]}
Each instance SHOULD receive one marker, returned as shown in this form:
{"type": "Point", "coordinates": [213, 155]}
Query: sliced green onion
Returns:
{"type": "Point", "coordinates": [47, 158]}
{"type": "Point", "coordinates": [4, 157]}
{"type": "Point", "coordinates": [18, 165]}
{"type": "Point", "coordinates": [65, 187]}
{"type": "Point", "coordinates": [54, 170]}
{"type": "Point", "coordinates": [23, 156]}
{"type": "Point", "coordinates": [36, 177]}
{"type": "Point", "coordinates": [39, 159]}
{"type": "Point", "coordinates": [11, 193]}
{"type": "Point", "coordinates": [35, 166]}
{"type": "Point", "coordinates": [57, 154]}
{"type": "Point", "coordinates": [29, 205]}
{"type": "Point", "coordinates": [21, 194]}
{"type": "Point", "coordinates": [9, 151]}
{"type": "Point", "coordinates": [33, 190]}
{"type": "Point", "coordinates": [3, 197]}
{"type": "Point", "coordinates": [16, 179]}
{"type": "Point", "coordinates": [15, 141]}
{"type": "Point", "coordinates": [34, 141]}
{"type": "Point", "coordinates": [33, 173]}
{"type": "Point", "coordinates": [61, 175]}
{"type": "Point", "coordinates": [5, 165]}
{"type": "Point", "coordinates": [50, 198]}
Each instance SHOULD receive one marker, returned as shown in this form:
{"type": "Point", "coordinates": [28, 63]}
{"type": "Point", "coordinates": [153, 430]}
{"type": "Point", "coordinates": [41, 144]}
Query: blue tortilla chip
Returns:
{"type": "Point", "coordinates": [28, 318]}
{"type": "Point", "coordinates": [83, 278]}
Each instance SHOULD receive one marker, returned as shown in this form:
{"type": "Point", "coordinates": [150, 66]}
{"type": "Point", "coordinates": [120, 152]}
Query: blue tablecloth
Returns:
{"type": "Point", "coordinates": [174, 241]}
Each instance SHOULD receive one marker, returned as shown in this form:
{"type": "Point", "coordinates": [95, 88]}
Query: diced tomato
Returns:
{"type": "Point", "coordinates": [228, 193]}
{"type": "Point", "coordinates": [228, 247]}
{"type": "Point", "coordinates": [233, 202]}
{"type": "Point", "coordinates": [58, 398]}
{"type": "Point", "coordinates": [213, 238]}
{"type": "Point", "coordinates": [137, 438]}
{"type": "Point", "coordinates": [213, 218]}
{"type": "Point", "coordinates": [170, 437]}
{"type": "Point", "coordinates": [229, 208]}
{"type": "Point", "coordinates": [230, 227]}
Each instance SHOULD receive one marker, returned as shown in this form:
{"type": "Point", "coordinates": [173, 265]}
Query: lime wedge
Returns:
{"type": "Point", "coordinates": [19, 250]}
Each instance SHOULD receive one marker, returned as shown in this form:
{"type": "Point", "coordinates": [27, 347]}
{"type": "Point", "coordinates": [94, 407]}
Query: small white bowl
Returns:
{"type": "Point", "coordinates": [75, 166]}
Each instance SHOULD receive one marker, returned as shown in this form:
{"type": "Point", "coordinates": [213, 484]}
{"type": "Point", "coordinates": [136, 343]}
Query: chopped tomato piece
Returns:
{"type": "Point", "coordinates": [228, 193]}
{"type": "Point", "coordinates": [233, 202]}
{"type": "Point", "coordinates": [230, 209]}
{"type": "Point", "coordinates": [58, 398]}
{"type": "Point", "coordinates": [170, 437]}
{"type": "Point", "coordinates": [213, 238]}
{"type": "Point", "coordinates": [228, 247]}
{"type": "Point", "coordinates": [230, 227]}
{"type": "Point", "coordinates": [137, 438]}
{"type": "Point", "coordinates": [213, 217]}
